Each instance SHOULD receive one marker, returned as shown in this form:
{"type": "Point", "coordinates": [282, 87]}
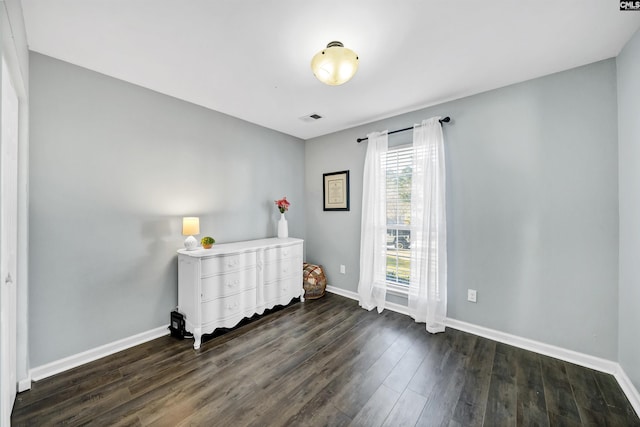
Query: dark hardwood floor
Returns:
{"type": "Point", "coordinates": [327, 362]}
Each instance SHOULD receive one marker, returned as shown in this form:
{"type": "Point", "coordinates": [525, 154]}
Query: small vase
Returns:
{"type": "Point", "coordinates": [283, 227]}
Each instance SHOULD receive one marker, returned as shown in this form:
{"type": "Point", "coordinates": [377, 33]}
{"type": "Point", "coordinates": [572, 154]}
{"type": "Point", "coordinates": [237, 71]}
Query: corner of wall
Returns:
{"type": "Point", "coordinates": [628, 87]}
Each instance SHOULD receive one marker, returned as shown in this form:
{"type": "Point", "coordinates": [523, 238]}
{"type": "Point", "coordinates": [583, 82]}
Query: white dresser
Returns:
{"type": "Point", "coordinates": [220, 286]}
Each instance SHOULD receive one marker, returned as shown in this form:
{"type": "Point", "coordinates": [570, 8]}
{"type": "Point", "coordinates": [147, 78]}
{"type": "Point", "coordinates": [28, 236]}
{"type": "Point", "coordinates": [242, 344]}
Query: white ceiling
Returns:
{"type": "Point", "coordinates": [250, 58]}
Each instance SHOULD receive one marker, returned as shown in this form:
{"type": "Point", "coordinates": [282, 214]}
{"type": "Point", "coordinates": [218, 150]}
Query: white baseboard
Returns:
{"type": "Point", "coordinates": [398, 308]}
{"type": "Point", "coordinates": [70, 362]}
{"type": "Point", "coordinates": [570, 356]}
{"type": "Point", "coordinates": [342, 292]}
{"type": "Point", "coordinates": [629, 389]}
{"type": "Point", "coordinates": [24, 385]}
{"type": "Point", "coordinates": [402, 309]}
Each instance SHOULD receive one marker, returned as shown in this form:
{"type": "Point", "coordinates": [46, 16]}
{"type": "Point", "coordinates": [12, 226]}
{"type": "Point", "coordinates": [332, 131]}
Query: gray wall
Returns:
{"type": "Point", "coordinates": [532, 207]}
{"type": "Point", "coordinates": [628, 63]}
{"type": "Point", "coordinates": [114, 168]}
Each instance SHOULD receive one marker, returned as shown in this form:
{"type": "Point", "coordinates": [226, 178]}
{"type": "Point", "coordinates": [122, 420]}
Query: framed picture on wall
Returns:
{"type": "Point", "coordinates": [335, 191]}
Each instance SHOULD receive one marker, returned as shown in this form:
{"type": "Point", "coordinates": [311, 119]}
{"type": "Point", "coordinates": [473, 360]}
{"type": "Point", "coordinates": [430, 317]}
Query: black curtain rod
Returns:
{"type": "Point", "coordinates": [444, 120]}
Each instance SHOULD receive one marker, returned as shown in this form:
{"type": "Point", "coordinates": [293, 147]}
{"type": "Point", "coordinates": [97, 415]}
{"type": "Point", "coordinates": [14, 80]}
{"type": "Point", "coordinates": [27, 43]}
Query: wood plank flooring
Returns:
{"type": "Point", "coordinates": [327, 363]}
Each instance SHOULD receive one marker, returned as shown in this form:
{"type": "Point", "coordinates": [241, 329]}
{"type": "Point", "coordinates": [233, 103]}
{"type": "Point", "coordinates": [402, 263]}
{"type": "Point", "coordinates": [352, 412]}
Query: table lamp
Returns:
{"type": "Point", "coordinates": [190, 227]}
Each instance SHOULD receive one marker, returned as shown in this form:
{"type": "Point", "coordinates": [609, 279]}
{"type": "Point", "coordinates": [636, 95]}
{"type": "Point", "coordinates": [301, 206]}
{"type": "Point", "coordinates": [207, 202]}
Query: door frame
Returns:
{"type": "Point", "coordinates": [9, 240]}
{"type": "Point", "coordinates": [14, 50]}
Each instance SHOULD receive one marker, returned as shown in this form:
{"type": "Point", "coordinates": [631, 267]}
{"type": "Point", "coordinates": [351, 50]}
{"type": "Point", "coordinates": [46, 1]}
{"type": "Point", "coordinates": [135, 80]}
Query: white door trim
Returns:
{"type": "Point", "coordinates": [9, 121]}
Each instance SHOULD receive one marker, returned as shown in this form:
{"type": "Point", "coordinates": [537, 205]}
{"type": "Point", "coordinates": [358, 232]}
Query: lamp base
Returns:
{"type": "Point", "coordinates": [190, 243]}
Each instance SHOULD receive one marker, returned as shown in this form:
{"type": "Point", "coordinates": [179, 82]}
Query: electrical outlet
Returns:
{"type": "Point", "coordinates": [471, 295]}
{"type": "Point", "coordinates": [343, 269]}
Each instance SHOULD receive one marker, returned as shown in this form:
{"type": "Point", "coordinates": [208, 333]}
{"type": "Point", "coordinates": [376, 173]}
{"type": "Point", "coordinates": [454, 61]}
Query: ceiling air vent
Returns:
{"type": "Point", "coordinates": [311, 117]}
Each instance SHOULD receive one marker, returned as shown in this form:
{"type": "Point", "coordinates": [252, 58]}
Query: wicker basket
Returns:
{"type": "Point", "coordinates": [314, 281]}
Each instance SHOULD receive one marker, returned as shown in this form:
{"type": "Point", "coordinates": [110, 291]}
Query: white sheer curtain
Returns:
{"type": "Point", "coordinates": [428, 282]}
{"type": "Point", "coordinates": [372, 287]}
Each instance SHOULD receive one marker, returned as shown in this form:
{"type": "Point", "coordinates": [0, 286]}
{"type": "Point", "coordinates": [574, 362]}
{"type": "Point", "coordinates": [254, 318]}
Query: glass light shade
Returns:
{"type": "Point", "coordinates": [334, 65]}
{"type": "Point", "coordinates": [190, 226]}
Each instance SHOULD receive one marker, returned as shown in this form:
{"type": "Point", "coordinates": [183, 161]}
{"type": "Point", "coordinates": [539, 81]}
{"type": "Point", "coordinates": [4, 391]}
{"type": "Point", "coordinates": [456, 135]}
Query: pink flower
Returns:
{"type": "Point", "coordinates": [283, 204]}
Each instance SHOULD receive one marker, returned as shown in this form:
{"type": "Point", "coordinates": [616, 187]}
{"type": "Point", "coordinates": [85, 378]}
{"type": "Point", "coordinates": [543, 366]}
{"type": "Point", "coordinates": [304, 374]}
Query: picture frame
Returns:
{"type": "Point", "coordinates": [335, 191]}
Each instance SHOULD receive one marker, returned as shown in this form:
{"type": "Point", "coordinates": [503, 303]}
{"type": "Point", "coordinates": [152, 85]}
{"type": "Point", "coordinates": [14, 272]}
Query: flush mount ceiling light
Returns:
{"type": "Point", "coordinates": [334, 65]}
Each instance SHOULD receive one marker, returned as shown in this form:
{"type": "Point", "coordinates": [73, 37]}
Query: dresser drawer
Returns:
{"type": "Point", "coordinates": [228, 284]}
{"type": "Point", "coordinates": [227, 263]}
{"type": "Point", "coordinates": [283, 290]}
{"type": "Point", "coordinates": [286, 252]}
{"type": "Point", "coordinates": [223, 308]}
{"type": "Point", "coordinates": [281, 269]}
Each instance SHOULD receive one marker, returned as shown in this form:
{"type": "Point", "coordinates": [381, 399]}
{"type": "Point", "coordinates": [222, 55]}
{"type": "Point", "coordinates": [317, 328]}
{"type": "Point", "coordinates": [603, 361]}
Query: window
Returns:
{"type": "Point", "coordinates": [403, 247]}
{"type": "Point", "coordinates": [397, 164]}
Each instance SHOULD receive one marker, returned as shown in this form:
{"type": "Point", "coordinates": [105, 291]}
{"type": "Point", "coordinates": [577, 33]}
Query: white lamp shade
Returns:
{"type": "Point", "coordinates": [190, 226]}
{"type": "Point", "coordinates": [335, 64]}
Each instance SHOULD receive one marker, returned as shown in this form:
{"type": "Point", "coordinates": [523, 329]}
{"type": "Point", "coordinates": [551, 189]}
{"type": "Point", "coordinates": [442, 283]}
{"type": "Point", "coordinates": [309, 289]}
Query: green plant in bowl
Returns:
{"type": "Point", "coordinates": [207, 242]}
